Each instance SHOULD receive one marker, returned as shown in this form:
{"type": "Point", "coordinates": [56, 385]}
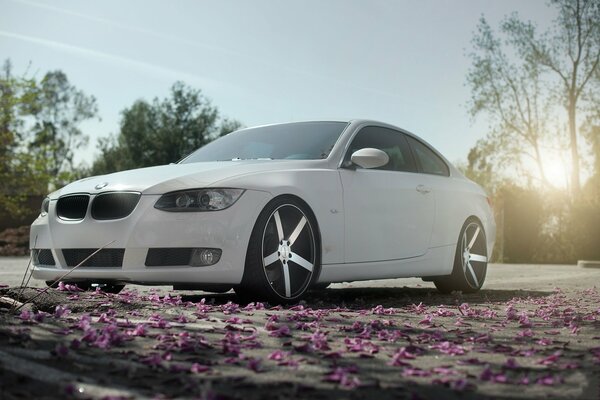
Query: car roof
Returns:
{"type": "Point", "coordinates": [364, 121]}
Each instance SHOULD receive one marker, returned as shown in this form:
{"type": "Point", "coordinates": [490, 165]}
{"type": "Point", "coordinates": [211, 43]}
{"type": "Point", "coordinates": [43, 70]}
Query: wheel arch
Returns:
{"type": "Point", "coordinates": [488, 231]}
{"type": "Point", "coordinates": [459, 279]}
{"type": "Point", "coordinates": [250, 284]}
{"type": "Point", "coordinates": [473, 217]}
{"type": "Point", "coordinates": [309, 209]}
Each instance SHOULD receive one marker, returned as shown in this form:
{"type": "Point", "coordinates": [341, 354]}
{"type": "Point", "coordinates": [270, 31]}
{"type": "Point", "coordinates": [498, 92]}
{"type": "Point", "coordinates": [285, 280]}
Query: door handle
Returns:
{"type": "Point", "coordinates": [423, 189]}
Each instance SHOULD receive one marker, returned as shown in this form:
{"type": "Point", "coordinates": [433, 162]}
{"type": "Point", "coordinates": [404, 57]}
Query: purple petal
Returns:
{"type": "Point", "coordinates": [254, 364]}
{"type": "Point", "coordinates": [60, 350]}
{"type": "Point", "coordinates": [511, 364]}
{"type": "Point", "coordinates": [199, 368]}
{"type": "Point", "coordinates": [25, 315]}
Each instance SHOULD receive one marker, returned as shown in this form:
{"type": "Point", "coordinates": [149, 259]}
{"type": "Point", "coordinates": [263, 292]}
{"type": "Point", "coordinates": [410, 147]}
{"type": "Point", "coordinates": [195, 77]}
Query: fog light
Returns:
{"type": "Point", "coordinates": [205, 257]}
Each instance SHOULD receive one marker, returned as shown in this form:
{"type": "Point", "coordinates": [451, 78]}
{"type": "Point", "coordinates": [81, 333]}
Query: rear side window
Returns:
{"type": "Point", "coordinates": [392, 142]}
{"type": "Point", "coordinates": [429, 162]}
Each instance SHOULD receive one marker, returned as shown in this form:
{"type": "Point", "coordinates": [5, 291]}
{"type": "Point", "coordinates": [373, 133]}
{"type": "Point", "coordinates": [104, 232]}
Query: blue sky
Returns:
{"type": "Point", "coordinates": [402, 62]}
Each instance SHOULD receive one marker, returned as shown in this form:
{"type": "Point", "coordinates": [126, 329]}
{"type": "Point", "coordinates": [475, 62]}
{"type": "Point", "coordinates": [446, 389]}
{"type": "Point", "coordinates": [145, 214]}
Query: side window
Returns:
{"type": "Point", "coordinates": [429, 162]}
{"type": "Point", "coordinates": [392, 142]}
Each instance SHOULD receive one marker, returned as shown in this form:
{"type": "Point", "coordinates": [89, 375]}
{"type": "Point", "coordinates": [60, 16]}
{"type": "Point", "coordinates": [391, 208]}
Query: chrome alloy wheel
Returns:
{"type": "Point", "coordinates": [474, 255]}
{"type": "Point", "coordinates": [288, 251]}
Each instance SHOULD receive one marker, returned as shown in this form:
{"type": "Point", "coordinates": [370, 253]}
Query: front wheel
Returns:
{"type": "Point", "coordinates": [283, 258]}
{"type": "Point", "coordinates": [470, 261]}
{"type": "Point", "coordinates": [320, 286]}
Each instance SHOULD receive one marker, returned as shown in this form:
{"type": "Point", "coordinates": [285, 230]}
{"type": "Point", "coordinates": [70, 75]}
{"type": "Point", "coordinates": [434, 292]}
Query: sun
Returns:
{"type": "Point", "coordinates": [555, 169]}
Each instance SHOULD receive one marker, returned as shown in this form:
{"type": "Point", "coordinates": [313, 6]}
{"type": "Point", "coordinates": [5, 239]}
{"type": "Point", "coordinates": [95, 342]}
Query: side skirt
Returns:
{"type": "Point", "coordinates": [437, 261]}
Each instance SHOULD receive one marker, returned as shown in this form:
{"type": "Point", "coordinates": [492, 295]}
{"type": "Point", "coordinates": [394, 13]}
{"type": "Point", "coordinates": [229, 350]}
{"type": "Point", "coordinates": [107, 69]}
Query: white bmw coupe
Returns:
{"type": "Point", "coordinates": [272, 212]}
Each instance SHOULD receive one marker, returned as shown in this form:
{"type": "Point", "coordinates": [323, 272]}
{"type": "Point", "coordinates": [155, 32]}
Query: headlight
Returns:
{"type": "Point", "coordinates": [45, 206]}
{"type": "Point", "coordinates": [199, 200]}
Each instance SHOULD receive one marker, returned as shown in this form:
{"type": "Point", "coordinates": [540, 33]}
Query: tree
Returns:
{"type": "Point", "coordinates": [511, 93]}
{"type": "Point", "coordinates": [591, 132]}
{"type": "Point", "coordinates": [9, 103]}
{"type": "Point", "coordinates": [521, 81]}
{"type": "Point", "coordinates": [228, 126]}
{"type": "Point", "coordinates": [20, 174]}
{"type": "Point", "coordinates": [39, 131]}
{"type": "Point", "coordinates": [571, 52]}
{"type": "Point", "coordinates": [58, 110]}
{"type": "Point", "coordinates": [162, 131]}
{"type": "Point", "coordinates": [479, 169]}
{"type": "Point", "coordinates": [540, 90]}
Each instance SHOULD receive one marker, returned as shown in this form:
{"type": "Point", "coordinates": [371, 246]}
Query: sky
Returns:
{"type": "Point", "coordinates": [262, 62]}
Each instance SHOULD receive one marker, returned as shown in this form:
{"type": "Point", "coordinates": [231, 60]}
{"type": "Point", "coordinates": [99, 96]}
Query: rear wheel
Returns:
{"type": "Point", "coordinates": [283, 257]}
{"type": "Point", "coordinates": [470, 261]}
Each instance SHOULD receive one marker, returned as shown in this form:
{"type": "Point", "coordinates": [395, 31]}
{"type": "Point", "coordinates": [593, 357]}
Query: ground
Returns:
{"type": "Point", "coordinates": [532, 332]}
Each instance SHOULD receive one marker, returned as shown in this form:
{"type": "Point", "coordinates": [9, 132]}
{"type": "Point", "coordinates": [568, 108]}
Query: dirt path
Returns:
{"type": "Point", "coordinates": [534, 332]}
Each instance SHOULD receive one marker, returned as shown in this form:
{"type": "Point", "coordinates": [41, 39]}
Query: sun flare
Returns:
{"type": "Point", "coordinates": [556, 170]}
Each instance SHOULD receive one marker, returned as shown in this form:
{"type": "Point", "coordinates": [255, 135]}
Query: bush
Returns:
{"type": "Point", "coordinates": [15, 241]}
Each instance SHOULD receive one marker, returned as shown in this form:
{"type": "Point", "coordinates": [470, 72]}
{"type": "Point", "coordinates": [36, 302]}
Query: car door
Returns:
{"type": "Point", "coordinates": [388, 211]}
{"type": "Point", "coordinates": [434, 173]}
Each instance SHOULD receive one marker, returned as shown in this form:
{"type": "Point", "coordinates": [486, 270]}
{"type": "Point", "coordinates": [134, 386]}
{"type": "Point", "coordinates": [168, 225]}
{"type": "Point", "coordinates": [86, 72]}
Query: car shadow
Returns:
{"type": "Point", "coordinates": [368, 297]}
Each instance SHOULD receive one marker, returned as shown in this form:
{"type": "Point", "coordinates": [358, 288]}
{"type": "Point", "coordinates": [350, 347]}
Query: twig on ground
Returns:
{"type": "Point", "coordinates": [23, 283]}
{"type": "Point", "coordinates": [10, 302]}
{"type": "Point", "coordinates": [45, 290]}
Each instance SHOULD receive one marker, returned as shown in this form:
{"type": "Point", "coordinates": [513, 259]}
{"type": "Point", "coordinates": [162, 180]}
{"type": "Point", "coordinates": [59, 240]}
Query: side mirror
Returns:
{"type": "Point", "coordinates": [370, 158]}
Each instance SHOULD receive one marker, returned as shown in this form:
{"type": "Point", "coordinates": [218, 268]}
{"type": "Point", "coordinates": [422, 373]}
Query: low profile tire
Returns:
{"type": "Point", "coordinates": [320, 286]}
{"type": "Point", "coordinates": [470, 261]}
{"type": "Point", "coordinates": [283, 257]}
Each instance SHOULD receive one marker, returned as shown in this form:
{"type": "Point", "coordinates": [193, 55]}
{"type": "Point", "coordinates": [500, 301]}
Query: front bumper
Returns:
{"type": "Point", "coordinates": [145, 228]}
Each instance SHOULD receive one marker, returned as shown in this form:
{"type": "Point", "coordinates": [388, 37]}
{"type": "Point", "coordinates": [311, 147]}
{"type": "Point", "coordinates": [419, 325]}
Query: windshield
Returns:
{"type": "Point", "coordinates": [293, 141]}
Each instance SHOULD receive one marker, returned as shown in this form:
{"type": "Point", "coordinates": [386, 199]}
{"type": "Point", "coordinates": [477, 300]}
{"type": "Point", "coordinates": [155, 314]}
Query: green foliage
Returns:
{"type": "Point", "coordinates": [521, 220]}
{"type": "Point", "coordinates": [162, 132]}
{"type": "Point", "coordinates": [512, 94]}
{"type": "Point", "coordinates": [570, 53]}
{"type": "Point", "coordinates": [16, 99]}
{"type": "Point", "coordinates": [546, 226]}
{"type": "Point", "coordinates": [480, 169]}
{"type": "Point", "coordinates": [533, 87]}
{"type": "Point", "coordinates": [591, 132]}
{"type": "Point", "coordinates": [39, 132]}
{"type": "Point", "coordinates": [228, 126]}
{"type": "Point", "coordinates": [584, 227]}
{"type": "Point", "coordinates": [21, 174]}
{"type": "Point", "coordinates": [522, 82]}
{"type": "Point", "coordinates": [58, 110]}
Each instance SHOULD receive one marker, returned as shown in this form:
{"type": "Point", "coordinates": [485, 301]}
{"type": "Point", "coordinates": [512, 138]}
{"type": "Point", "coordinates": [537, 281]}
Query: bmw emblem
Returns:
{"type": "Point", "coordinates": [101, 185]}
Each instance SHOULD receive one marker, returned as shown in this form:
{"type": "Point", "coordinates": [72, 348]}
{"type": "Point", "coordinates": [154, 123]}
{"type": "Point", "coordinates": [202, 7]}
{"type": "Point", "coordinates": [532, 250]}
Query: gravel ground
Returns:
{"type": "Point", "coordinates": [532, 332]}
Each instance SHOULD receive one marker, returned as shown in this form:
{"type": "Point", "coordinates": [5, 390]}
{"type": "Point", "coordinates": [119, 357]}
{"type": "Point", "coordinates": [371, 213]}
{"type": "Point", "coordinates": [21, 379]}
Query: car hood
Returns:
{"type": "Point", "coordinates": [167, 178]}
